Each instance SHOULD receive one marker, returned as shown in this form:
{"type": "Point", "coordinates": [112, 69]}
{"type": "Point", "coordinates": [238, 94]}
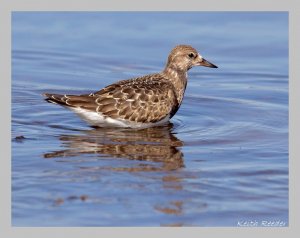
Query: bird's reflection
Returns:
{"type": "Point", "coordinates": [156, 144]}
{"type": "Point", "coordinates": [152, 149]}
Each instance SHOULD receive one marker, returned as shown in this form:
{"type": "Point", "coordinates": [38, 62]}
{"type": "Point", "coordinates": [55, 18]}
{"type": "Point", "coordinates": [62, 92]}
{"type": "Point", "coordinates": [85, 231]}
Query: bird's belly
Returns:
{"type": "Point", "coordinates": [97, 119]}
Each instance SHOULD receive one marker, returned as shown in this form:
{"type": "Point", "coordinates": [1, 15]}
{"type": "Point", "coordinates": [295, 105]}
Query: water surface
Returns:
{"type": "Point", "coordinates": [221, 161]}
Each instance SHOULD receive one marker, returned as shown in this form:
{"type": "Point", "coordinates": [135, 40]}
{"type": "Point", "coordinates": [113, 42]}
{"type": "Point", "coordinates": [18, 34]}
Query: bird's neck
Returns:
{"type": "Point", "coordinates": [179, 80]}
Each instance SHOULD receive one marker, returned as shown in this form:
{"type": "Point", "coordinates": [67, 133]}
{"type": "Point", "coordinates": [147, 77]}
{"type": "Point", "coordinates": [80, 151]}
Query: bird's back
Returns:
{"type": "Point", "coordinates": [148, 99]}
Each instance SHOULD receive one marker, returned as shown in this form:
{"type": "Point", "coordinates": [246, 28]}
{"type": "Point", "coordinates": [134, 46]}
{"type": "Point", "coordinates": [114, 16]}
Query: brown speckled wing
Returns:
{"type": "Point", "coordinates": [147, 100]}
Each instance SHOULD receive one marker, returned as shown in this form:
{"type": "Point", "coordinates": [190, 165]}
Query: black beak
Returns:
{"type": "Point", "coordinates": [206, 63]}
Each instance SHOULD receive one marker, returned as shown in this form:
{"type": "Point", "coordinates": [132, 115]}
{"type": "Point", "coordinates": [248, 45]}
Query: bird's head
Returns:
{"type": "Point", "coordinates": [184, 57]}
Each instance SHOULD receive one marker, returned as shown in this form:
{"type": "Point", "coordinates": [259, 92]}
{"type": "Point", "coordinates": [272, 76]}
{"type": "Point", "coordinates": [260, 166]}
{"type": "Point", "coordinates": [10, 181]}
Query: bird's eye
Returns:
{"type": "Point", "coordinates": [191, 55]}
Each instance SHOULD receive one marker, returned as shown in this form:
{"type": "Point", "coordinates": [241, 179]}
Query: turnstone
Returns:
{"type": "Point", "coordinates": [140, 102]}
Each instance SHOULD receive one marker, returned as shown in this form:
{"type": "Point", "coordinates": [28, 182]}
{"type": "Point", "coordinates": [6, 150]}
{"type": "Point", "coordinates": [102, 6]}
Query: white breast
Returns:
{"type": "Point", "coordinates": [97, 119]}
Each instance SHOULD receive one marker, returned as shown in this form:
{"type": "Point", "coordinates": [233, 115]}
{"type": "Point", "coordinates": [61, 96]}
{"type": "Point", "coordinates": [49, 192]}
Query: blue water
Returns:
{"type": "Point", "coordinates": [221, 161]}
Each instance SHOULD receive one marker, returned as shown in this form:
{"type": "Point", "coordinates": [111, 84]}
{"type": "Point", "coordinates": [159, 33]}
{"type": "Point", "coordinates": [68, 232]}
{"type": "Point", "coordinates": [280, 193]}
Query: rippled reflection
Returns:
{"type": "Point", "coordinates": [156, 144]}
